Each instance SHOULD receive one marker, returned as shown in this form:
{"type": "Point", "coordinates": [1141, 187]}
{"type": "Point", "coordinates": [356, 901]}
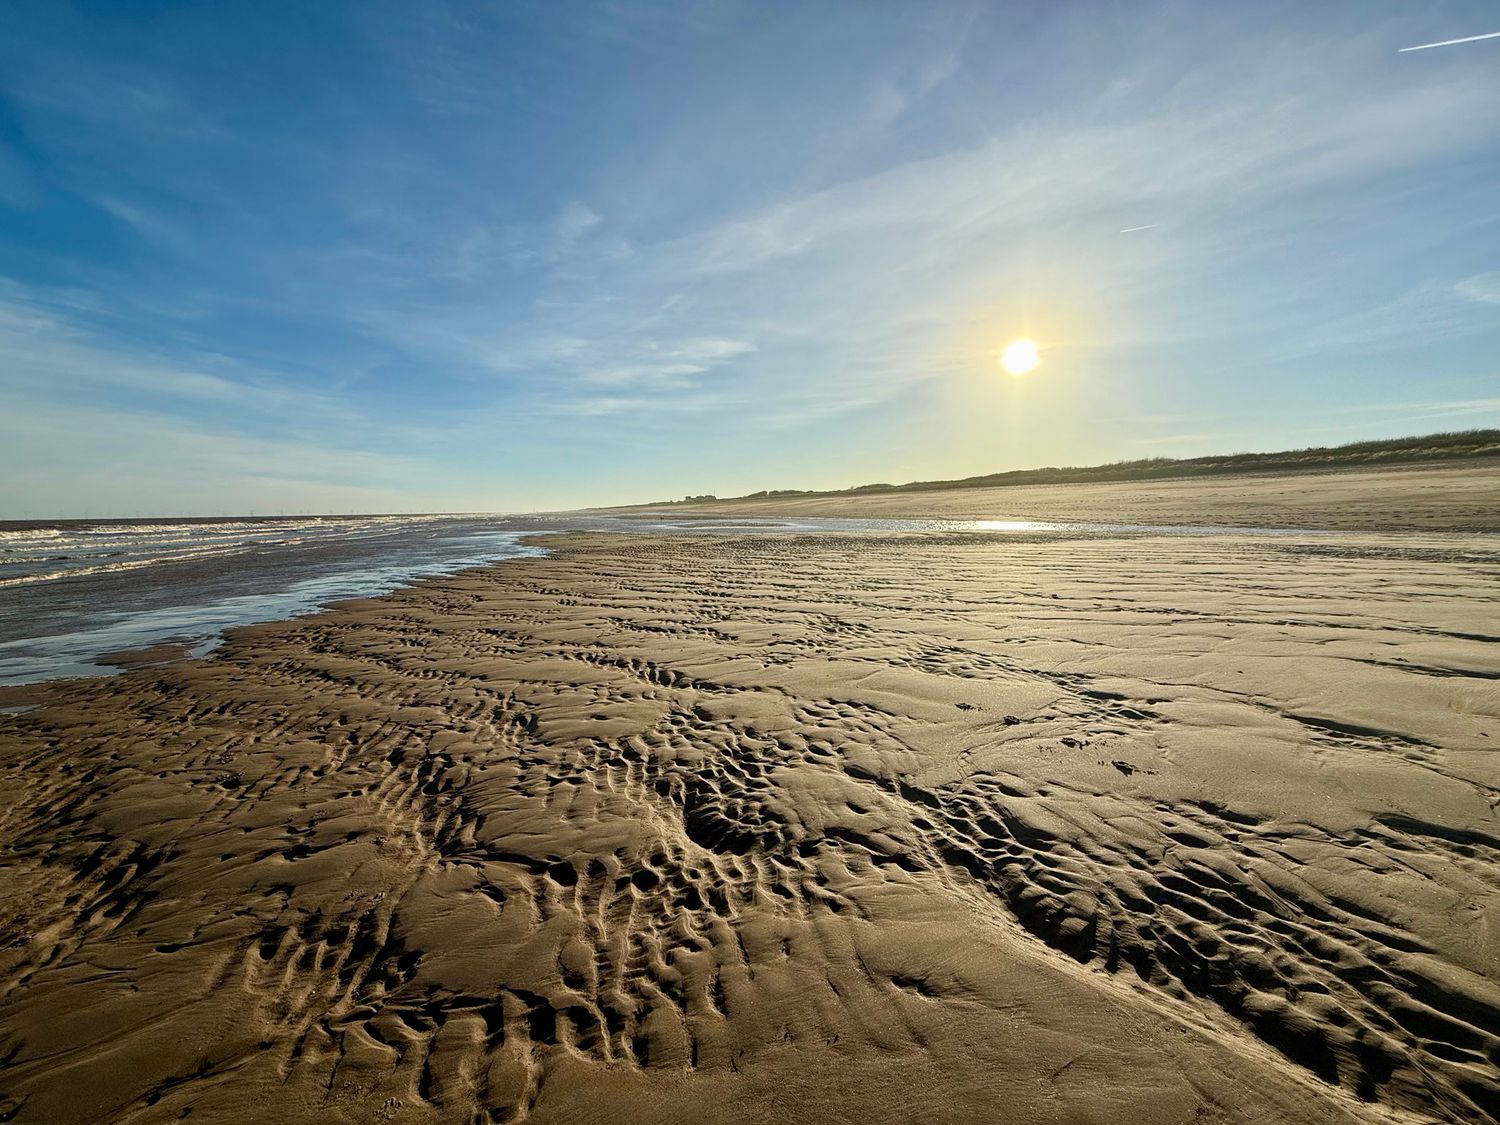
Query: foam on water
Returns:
{"type": "Point", "coordinates": [186, 584]}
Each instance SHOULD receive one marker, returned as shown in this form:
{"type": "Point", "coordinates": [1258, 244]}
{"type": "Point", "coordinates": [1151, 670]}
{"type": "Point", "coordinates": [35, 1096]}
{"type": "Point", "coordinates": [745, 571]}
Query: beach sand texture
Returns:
{"type": "Point", "coordinates": [769, 828]}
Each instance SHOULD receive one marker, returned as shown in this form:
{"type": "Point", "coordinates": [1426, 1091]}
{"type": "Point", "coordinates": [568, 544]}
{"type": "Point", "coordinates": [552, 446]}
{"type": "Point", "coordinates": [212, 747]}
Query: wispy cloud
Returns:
{"type": "Point", "coordinates": [819, 280]}
{"type": "Point", "coordinates": [51, 355]}
{"type": "Point", "coordinates": [539, 240]}
{"type": "Point", "coordinates": [1483, 288]}
{"type": "Point", "coordinates": [1425, 314]}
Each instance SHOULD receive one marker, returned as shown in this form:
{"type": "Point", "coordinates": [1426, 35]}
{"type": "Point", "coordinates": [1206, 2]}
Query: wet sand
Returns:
{"type": "Point", "coordinates": [771, 828]}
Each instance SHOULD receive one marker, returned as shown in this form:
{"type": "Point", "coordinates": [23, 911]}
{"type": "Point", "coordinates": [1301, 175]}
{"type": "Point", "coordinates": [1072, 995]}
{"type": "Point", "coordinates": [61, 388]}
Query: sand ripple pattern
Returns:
{"type": "Point", "coordinates": [681, 807]}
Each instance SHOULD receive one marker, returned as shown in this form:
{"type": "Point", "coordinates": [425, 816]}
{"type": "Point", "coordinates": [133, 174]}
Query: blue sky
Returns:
{"type": "Point", "coordinates": [512, 256]}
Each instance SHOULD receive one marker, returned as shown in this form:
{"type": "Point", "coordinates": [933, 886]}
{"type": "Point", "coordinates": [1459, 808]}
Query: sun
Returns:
{"type": "Point", "coordinates": [1020, 357]}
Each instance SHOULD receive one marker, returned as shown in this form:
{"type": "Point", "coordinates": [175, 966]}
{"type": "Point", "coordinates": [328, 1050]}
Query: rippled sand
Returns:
{"type": "Point", "coordinates": [766, 828]}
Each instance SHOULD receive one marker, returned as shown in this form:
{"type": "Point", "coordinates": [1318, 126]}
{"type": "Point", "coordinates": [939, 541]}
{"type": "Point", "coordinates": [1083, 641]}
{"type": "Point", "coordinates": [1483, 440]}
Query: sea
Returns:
{"type": "Point", "coordinates": [73, 592]}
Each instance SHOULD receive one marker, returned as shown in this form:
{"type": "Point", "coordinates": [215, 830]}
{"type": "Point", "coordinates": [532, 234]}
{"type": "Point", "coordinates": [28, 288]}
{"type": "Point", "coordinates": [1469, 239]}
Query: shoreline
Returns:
{"type": "Point", "coordinates": [1453, 500]}
{"type": "Point", "coordinates": [209, 617]}
{"type": "Point", "coordinates": [169, 649]}
{"type": "Point", "coordinates": [829, 823]}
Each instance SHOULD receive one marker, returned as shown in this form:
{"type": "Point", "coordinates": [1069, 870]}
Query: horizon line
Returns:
{"type": "Point", "coordinates": [1387, 441]}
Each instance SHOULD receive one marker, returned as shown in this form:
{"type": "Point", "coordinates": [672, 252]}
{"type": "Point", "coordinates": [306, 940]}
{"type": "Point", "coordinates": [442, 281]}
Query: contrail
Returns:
{"type": "Point", "coordinates": [1450, 42]}
{"type": "Point", "coordinates": [1148, 226]}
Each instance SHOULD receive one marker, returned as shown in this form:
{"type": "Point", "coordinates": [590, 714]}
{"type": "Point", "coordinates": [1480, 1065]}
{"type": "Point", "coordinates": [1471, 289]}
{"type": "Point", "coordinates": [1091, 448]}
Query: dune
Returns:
{"type": "Point", "coordinates": [759, 827]}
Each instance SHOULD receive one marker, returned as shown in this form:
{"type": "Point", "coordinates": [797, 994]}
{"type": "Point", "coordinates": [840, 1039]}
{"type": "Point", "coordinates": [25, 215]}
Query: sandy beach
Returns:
{"type": "Point", "coordinates": [633, 562]}
{"type": "Point", "coordinates": [1433, 497]}
{"type": "Point", "coordinates": [1047, 828]}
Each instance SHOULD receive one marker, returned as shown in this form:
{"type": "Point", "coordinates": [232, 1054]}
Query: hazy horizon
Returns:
{"type": "Point", "coordinates": [463, 259]}
{"type": "Point", "coordinates": [283, 514]}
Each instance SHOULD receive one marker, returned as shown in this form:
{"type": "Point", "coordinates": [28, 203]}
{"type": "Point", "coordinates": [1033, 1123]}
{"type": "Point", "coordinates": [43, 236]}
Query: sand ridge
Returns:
{"type": "Point", "coordinates": [766, 828]}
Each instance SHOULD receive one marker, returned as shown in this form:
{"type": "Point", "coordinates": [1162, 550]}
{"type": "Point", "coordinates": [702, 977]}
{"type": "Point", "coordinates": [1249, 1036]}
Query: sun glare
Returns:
{"type": "Point", "coordinates": [1020, 357]}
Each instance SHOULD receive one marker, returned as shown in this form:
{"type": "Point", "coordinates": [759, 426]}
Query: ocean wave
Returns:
{"type": "Point", "coordinates": [23, 560]}
{"type": "Point", "coordinates": [110, 568]}
{"type": "Point", "coordinates": [31, 556]}
{"type": "Point", "coordinates": [257, 586]}
{"type": "Point", "coordinates": [142, 544]}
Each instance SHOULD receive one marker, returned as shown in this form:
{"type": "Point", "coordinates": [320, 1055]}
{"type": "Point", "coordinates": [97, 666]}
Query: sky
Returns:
{"type": "Point", "coordinates": [382, 256]}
